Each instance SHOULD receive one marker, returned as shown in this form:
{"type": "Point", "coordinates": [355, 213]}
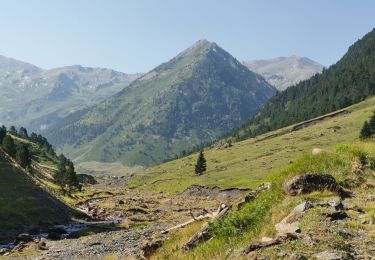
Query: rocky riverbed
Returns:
{"type": "Point", "coordinates": [123, 222]}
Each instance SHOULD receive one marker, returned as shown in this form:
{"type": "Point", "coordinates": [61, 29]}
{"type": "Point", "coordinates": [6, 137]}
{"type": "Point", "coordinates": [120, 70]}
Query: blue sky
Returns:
{"type": "Point", "coordinates": [135, 36]}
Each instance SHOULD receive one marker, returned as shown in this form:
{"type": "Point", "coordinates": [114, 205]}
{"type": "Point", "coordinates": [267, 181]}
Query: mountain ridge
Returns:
{"type": "Point", "coordinates": [193, 98]}
{"type": "Point", "coordinates": [44, 96]}
{"type": "Point", "coordinates": [349, 81]}
{"type": "Point", "coordinates": [283, 72]}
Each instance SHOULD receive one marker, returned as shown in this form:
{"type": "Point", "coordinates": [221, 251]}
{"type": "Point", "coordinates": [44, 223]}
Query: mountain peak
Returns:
{"type": "Point", "coordinates": [191, 99]}
{"type": "Point", "coordinates": [10, 64]}
{"type": "Point", "coordinates": [283, 72]}
{"type": "Point", "coordinates": [203, 42]}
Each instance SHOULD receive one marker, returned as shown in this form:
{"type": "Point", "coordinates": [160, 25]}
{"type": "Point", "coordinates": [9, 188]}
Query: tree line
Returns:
{"type": "Point", "coordinates": [349, 81]}
{"type": "Point", "coordinates": [20, 151]}
{"type": "Point", "coordinates": [368, 128]}
{"type": "Point", "coordinates": [65, 175]}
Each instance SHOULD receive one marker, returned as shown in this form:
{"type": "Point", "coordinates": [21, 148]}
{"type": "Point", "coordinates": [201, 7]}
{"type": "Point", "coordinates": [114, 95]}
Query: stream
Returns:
{"type": "Point", "coordinates": [74, 227]}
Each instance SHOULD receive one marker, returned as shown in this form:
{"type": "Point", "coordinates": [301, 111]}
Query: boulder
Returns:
{"type": "Point", "coordinates": [329, 255]}
{"type": "Point", "coordinates": [297, 256]}
{"type": "Point", "coordinates": [74, 235]}
{"type": "Point", "coordinates": [58, 230]}
{"type": "Point", "coordinates": [34, 230]}
{"type": "Point", "coordinates": [317, 151]}
{"type": "Point", "coordinates": [249, 197]}
{"type": "Point", "coordinates": [24, 237]}
{"type": "Point", "coordinates": [310, 182]}
{"type": "Point", "coordinates": [287, 228]}
{"type": "Point", "coordinates": [54, 236]}
{"type": "Point", "coordinates": [302, 207]}
{"type": "Point", "coordinates": [42, 245]}
{"type": "Point", "coordinates": [4, 251]}
{"type": "Point", "coordinates": [149, 247]}
{"type": "Point", "coordinates": [337, 215]}
{"type": "Point", "coordinates": [336, 204]}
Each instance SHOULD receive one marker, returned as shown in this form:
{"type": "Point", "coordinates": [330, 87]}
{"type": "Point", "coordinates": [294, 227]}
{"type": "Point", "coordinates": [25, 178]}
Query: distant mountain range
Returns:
{"type": "Point", "coordinates": [349, 81]}
{"type": "Point", "coordinates": [38, 98]}
{"type": "Point", "coordinates": [194, 98]}
{"type": "Point", "coordinates": [97, 114]}
{"type": "Point", "coordinates": [284, 72]}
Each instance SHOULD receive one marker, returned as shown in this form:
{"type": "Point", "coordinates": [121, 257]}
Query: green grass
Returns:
{"type": "Point", "coordinates": [247, 163]}
{"type": "Point", "coordinates": [259, 216]}
{"type": "Point", "coordinates": [253, 161]}
{"type": "Point", "coordinates": [23, 203]}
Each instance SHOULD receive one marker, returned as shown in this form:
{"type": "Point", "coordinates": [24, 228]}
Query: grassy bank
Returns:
{"type": "Point", "coordinates": [258, 217]}
{"type": "Point", "coordinates": [247, 163]}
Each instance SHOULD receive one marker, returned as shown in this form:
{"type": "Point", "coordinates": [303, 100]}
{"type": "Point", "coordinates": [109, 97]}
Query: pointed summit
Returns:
{"type": "Point", "coordinates": [203, 43]}
{"type": "Point", "coordinates": [192, 99]}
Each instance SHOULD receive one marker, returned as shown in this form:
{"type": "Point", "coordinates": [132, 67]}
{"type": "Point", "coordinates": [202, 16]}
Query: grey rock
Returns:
{"type": "Point", "coordinates": [338, 215]}
{"type": "Point", "coordinates": [297, 256]}
{"type": "Point", "coordinates": [59, 230]}
{"type": "Point", "coordinates": [302, 207]}
{"type": "Point", "coordinates": [34, 230]}
{"type": "Point", "coordinates": [310, 182]}
{"type": "Point", "coordinates": [336, 204]}
{"type": "Point", "coordinates": [329, 255]}
{"type": "Point", "coordinates": [3, 251]}
{"type": "Point", "coordinates": [42, 245]}
{"type": "Point", "coordinates": [24, 237]}
{"type": "Point", "coordinates": [54, 236]}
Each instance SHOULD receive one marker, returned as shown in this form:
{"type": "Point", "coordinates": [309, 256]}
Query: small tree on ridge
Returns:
{"type": "Point", "coordinates": [201, 166]}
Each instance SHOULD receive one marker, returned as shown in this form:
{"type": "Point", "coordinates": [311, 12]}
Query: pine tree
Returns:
{"type": "Point", "coordinates": [23, 156]}
{"type": "Point", "coordinates": [201, 166]}
{"type": "Point", "coordinates": [365, 131]}
{"type": "Point", "coordinates": [71, 177]}
{"type": "Point", "coordinates": [66, 176]}
{"type": "Point", "coordinates": [9, 146]}
{"type": "Point", "coordinates": [13, 130]}
{"type": "Point", "coordinates": [371, 124]}
{"type": "Point", "coordinates": [3, 133]}
{"type": "Point", "coordinates": [60, 174]}
{"type": "Point", "coordinates": [23, 132]}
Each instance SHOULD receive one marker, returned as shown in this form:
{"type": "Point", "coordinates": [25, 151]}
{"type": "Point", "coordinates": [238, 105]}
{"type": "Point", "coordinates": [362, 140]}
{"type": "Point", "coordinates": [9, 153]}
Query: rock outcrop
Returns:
{"type": "Point", "coordinates": [310, 182]}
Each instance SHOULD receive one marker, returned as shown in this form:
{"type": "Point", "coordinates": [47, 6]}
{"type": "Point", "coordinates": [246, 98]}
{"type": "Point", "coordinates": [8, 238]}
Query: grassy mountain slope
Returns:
{"type": "Point", "coordinates": [284, 72]}
{"type": "Point", "coordinates": [351, 238]}
{"type": "Point", "coordinates": [350, 80]}
{"type": "Point", "coordinates": [194, 98]}
{"type": "Point", "coordinates": [37, 98]}
{"type": "Point", "coordinates": [274, 158]}
{"type": "Point", "coordinates": [248, 162]}
{"type": "Point", "coordinates": [29, 198]}
{"type": "Point", "coordinates": [23, 203]}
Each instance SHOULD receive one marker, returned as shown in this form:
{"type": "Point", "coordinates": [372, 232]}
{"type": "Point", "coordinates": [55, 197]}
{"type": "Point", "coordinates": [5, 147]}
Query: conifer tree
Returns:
{"type": "Point", "coordinates": [23, 156]}
{"type": "Point", "coordinates": [66, 176]}
{"type": "Point", "coordinates": [365, 131]}
{"type": "Point", "coordinates": [23, 132]}
{"type": "Point", "coordinates": [3, 133]}
{"type": "Point", "coordinates": [371, 123]}
{"type": "Point", "coordinates": [201, 166]}
{"type": "Point", "coordinates": [13, 130]}
{"type": "Point", "coordinates": [72, 180]}
{"type": "Point", "coordinates": [9, 146]}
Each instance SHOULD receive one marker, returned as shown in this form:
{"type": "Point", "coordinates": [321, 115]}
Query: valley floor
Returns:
{"type": "Point", "coordinates": [139, 217]}
{"type": "Point", "coordinates": [161, 197]}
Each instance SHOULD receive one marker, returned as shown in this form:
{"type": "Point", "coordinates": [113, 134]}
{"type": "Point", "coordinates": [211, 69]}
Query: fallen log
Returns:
{"type": "Point", "coordinates": [204, 233]}
{"type": "Point", "coordinates": [267, 241]}
{"type": "Point", "coordinates": [194, 219]}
